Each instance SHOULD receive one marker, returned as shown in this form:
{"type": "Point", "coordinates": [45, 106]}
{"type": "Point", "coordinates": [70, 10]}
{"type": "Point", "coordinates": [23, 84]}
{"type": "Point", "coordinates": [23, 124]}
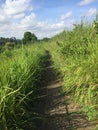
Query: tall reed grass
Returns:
{"type": "Point", "coordinates": [21, 71]}
{"type": "Point", "coordinates": [75, 56]}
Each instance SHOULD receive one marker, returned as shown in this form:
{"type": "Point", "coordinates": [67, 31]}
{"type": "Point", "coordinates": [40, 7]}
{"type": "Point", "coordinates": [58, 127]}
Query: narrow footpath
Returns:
{"type": "Point", "coordinates": [60, 113]}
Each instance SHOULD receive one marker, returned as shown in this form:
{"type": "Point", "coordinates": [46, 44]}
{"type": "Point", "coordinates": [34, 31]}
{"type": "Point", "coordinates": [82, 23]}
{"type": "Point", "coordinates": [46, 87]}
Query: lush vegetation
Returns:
{"type": "Point", "coordinates": [75, 56]}
{"type": "Point", "coordinates": [29, 37]}
{"type": "Point", "coordinates": [21, 72]}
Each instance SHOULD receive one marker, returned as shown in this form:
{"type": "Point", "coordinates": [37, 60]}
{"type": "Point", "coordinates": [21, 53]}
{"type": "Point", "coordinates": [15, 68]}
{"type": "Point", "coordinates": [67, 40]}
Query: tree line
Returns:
{"type": "Point", "coordinates": [27, 38]}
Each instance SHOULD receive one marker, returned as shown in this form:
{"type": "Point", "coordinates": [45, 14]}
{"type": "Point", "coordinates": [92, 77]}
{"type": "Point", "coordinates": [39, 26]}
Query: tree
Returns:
{"type": "Point", "coordinates": [45, 39]}
{"type": "Point", "coordinates": [34, 38]}
{"type": "Point", "coordinates": [13, 39]}
{"type": "Point", "coordinates": [29, 37]}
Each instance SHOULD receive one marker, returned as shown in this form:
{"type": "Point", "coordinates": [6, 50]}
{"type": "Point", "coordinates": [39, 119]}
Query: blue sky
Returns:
{"type": "Point", "coordinates": [45, 18]}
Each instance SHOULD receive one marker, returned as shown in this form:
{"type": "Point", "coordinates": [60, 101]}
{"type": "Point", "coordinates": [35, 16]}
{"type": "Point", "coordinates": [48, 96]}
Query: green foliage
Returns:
{"type": "Point", "coordinates": [95, 26]}
{"type": "Point", "coordinates": [96, 128]}
{"type": "Point", "coordinates": [5, 40]}
{"type": "Point", "coordinates": [91, 112]}
{"type": "Point", "coordinates": [21, 72]}
{"type": "Point", "coordinates": [75, 58]}
{"type": "Point", "coordinates": [34, 38]}
{"type": "Point", "coordinates": [29, 37]}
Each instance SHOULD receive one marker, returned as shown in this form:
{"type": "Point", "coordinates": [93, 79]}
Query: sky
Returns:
{"type": "Point", "coordinates": [44, 18]}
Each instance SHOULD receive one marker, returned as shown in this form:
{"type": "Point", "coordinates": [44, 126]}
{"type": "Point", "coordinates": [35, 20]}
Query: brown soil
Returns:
{"type": "Point", "coordinates": [60, 113]}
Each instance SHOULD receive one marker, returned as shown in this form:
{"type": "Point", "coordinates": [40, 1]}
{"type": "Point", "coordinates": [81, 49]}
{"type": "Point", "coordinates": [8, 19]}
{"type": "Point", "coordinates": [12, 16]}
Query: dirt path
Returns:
{"type": "Point", "coordinates": [60, 112]}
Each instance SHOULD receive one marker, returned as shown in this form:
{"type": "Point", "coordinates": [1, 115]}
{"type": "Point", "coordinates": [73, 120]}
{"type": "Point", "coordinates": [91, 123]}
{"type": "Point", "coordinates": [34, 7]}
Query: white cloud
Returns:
{"type": "Point", "coordinates": [85, 2]}
{"type": "Point", "coordinates": [65, 16]}
{"type": "Point", "coordinates": [40, 28]}
{"type": "Point", "coordinates": [92, 12]}
{"type": "Point", "coordinates": [14, 20]}
{"type": "Point", "coordinates": [28, 20]}
{"type": "Point", "coordinates": [19, 16]}
{"type": "Point", "coordinates": [15, 7]}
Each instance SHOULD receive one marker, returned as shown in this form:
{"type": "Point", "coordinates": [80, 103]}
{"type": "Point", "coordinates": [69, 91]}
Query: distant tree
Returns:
{"type": "Point", "coordinates": [29, 37]}
{"type": "Point", "coordinates": [46, 39]}
{"type": "Point", "coordinates": [34, 38]}
{"type": "Point", "coordinates": [9, 46]}
{"type": "Point", "coordinates": [2, 41]}
{"type": "Point", "coordinates": [13, 39]}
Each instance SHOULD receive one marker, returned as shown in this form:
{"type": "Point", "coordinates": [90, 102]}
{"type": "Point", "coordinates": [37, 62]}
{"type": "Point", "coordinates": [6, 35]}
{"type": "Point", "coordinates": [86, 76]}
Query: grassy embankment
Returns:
{"type": "Point", "coordinates": [75, 56]}
{"type": "Point", "coordinates": [21, 72]}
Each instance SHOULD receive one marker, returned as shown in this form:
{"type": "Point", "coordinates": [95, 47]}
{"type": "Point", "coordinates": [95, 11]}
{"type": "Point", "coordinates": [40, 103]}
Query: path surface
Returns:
{"type": "Point", "coordinates": [60, 112]}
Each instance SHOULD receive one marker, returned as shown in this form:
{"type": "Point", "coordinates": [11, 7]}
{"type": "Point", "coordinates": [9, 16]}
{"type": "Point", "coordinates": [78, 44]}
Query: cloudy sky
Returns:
{"type": "Point", "coordinates": [45, 18]}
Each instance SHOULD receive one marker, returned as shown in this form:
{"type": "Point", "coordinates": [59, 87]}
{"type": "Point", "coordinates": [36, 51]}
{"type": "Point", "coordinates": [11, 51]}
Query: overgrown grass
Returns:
{"type": "Point", "coordinates": [75, 56]}
{"type": "Point", "coordinates": [21, 72]}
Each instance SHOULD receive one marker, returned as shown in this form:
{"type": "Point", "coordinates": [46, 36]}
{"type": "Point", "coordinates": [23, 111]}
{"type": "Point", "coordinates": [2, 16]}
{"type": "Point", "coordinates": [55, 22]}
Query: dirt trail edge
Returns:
{"type": "Point", "coordinates": [59, 112]}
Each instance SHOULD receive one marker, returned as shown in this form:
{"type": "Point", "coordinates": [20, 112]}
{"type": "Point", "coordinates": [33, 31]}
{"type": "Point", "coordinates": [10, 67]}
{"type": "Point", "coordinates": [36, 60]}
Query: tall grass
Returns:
{"type": "Point", "coordinates": [21, 71]}
{"type": "Point", "coordinates": [75, 56]}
